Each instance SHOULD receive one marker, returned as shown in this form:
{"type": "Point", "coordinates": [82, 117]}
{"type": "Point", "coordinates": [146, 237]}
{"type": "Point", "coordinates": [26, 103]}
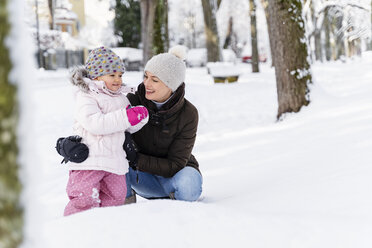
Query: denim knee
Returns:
{"type": "Point", "coordinates": [188, 184]}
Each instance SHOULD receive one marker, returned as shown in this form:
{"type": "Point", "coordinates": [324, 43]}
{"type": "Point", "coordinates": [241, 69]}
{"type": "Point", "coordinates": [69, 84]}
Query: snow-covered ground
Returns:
{"type": "Point", "coordinates": [301, 182]}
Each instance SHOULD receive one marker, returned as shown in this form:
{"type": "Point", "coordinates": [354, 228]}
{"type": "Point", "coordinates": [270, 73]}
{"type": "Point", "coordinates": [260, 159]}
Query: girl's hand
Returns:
{"type": "Point", "coordinates": [136, 114]}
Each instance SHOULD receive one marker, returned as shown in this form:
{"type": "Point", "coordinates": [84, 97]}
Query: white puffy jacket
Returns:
{"type": "Point", "coordinates": [101, 120]}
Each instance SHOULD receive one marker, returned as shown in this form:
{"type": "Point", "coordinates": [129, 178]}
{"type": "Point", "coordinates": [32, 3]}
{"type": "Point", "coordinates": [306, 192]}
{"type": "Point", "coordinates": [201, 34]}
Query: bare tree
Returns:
{"type": "Point", "coordinates": [255, 58]}
{"type": "Point", "coordinates": [342, 23]}
{"type": "Point", "coordinates": [165, 26]}
{"type": "Point", "coordinates": [340, 44]}
{"type": "Point", "coordinates": [332, 23]}
{"type": "Point", "coordinates": [148, 8]}
{"type": "Point", "coordinates": [211, 33]}
{"type": "Point", "coordinates": [265, 5]}
{"type": "Point", "coordinates": [232, 38]}
{"type": "Point", "coordinates": [10, 187]}
{"type": "Point", "coordinates": [327, 33]}
{"type": "Point", "coordinates": [316, 34]}
{"type": "Point", "coordinates": [229, 33]}
{"type": "Point", "coordinates": [191, 26]}
{"type": "Point", "coordinates": [370, 38]}
{"type": "Point", "coordinates": [51, 17]}
{"type": "Point", "coordinates": [292, 69]}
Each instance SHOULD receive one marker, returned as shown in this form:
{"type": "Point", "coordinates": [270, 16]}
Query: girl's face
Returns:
{"type": "Point", "coordinates": [156, 90]}
{"type": "Point", "coordinates": [112, 81]}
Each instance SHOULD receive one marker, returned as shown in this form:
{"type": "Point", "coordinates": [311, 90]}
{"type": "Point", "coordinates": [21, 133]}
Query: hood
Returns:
{"type": "Point", "coordinates": [79, 78]}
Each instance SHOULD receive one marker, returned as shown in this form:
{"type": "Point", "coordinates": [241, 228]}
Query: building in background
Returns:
{"type": "Point", "coordinates": [57, 26]}
{"type": "Point", "coordinates": [78, 7]}
{"type": "Point", "coordinates": [69, 16]}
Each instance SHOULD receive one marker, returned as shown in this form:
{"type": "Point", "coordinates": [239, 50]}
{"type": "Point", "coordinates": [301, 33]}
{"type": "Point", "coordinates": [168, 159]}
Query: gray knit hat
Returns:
{"type": "Point", "coordinates": [169, 67]}
{"type": "Point", "coordinates": [102, 61]}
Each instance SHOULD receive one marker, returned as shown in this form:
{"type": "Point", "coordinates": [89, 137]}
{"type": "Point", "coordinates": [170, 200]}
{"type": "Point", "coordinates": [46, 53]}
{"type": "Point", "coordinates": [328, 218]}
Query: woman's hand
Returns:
{"type": "Point", "coordinates": [136, 114]}
{"type": "Point", "coordinates": [131, 150]}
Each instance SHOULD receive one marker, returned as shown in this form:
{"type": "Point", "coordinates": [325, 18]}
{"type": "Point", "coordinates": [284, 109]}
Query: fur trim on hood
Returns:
{"type": "Point", "coordinates": [79, 76]}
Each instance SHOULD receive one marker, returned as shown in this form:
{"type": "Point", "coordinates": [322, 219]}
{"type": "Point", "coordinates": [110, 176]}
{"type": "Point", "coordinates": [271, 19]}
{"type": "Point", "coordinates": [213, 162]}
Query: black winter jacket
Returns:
{"type": "Point", "coordinates": [165, 143]}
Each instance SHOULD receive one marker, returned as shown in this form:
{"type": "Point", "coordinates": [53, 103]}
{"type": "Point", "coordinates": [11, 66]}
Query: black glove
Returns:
{"type": "Point", "coordinates": [131, 150]}
{"type": "Point", "coordinates": [71, 149]}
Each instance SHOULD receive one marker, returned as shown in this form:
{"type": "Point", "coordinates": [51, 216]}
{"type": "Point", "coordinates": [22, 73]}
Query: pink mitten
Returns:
{"type": "Point", "coordinates": [136, 114]}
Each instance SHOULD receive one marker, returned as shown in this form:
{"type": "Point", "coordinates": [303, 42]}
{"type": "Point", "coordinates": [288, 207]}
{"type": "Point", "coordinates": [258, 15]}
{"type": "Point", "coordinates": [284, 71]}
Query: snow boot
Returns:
{"type": "Point", "coordinates": [171, 196]}
{"type": "Point", "coordinates": [131, 199]}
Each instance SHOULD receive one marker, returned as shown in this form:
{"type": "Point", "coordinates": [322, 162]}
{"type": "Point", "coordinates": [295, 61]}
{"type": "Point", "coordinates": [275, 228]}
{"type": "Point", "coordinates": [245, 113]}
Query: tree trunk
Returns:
{"type": "Point", "coordinates": [51, 10]}
{"type": "Point", "coordinates": [354, 47]}
{"type": "Point", "coordinates": [340, 44]}
{"type": "Point", "coordinates": [370, 39]}
{"type": "Point", "coordinates": [265, 5]}
{"type": "Point", "coordinates": [326, 25]}
{"type": "Point", "coordinates": [229, 33]}
{"type": "Point", "coordinates": [40, 57]}
{"type": "Point", "coordinates": [148, 8]}
{"type": "Point", "coordinates": [161, 40]}
{"type": "Point", "coordinates": [210, 26]}
{"type": "Point", "coordinates": [317, 35]}
{"type": "Point", "coordinates": [10, 187]}
{"type": "Point", "coordinates": [318, 46]}
{"type": "Point", "coordinates": [166, 28]}
{"type": "Point", "coordinates": [292, 69]}
{"type": "Point", "coordinates": [255, 58]}
{"type": "Point", "coordinates": [193, 35]}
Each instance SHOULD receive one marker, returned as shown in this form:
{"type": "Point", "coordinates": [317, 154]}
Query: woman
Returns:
{"type": "Point", "coordinates": [164, 167]}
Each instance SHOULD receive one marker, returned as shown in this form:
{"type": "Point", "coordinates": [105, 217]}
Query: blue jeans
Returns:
{"type": "Point", "coordinates": [185, 184]}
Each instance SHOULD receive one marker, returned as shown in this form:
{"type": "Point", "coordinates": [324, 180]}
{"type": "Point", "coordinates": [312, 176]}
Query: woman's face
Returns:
{"type": "Point", "coordinates": [156, 90]}
{"type": "Point", "coordinates": [112, 81]}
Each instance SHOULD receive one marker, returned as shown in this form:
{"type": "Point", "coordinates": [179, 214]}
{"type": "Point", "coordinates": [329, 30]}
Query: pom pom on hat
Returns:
{"type": "Point", "coordinates": [179, 51]}
{"type": "Point", "coordinates": [169, 67]}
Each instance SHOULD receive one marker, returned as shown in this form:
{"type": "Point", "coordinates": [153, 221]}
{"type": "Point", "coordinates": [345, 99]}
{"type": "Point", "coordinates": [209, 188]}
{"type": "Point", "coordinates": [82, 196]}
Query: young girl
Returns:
{"type": "Point", "coordinates": [102, 116]}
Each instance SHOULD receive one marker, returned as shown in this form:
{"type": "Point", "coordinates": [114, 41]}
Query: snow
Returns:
{"type": "Point", "coordinates": [98, 29]}
{"type": "Point", "coordinates": [223, 69]}
{"type": "Point", "coordinates": [128, 53]}
{"type": "Point", "coordinates": [198, 57]}
{"type": "Point", "coordinates": [64, 14]}
{"type": "Point", "coordinates": [239, 11]}
{"type": "Point", "coordinates": [186, 23]}
{"type": "Point", "coordinates": [301, 182]}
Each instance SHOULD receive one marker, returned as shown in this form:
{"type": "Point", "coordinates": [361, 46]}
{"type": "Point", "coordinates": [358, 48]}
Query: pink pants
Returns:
{"type": "Point", "coordinates": [93, 188]}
